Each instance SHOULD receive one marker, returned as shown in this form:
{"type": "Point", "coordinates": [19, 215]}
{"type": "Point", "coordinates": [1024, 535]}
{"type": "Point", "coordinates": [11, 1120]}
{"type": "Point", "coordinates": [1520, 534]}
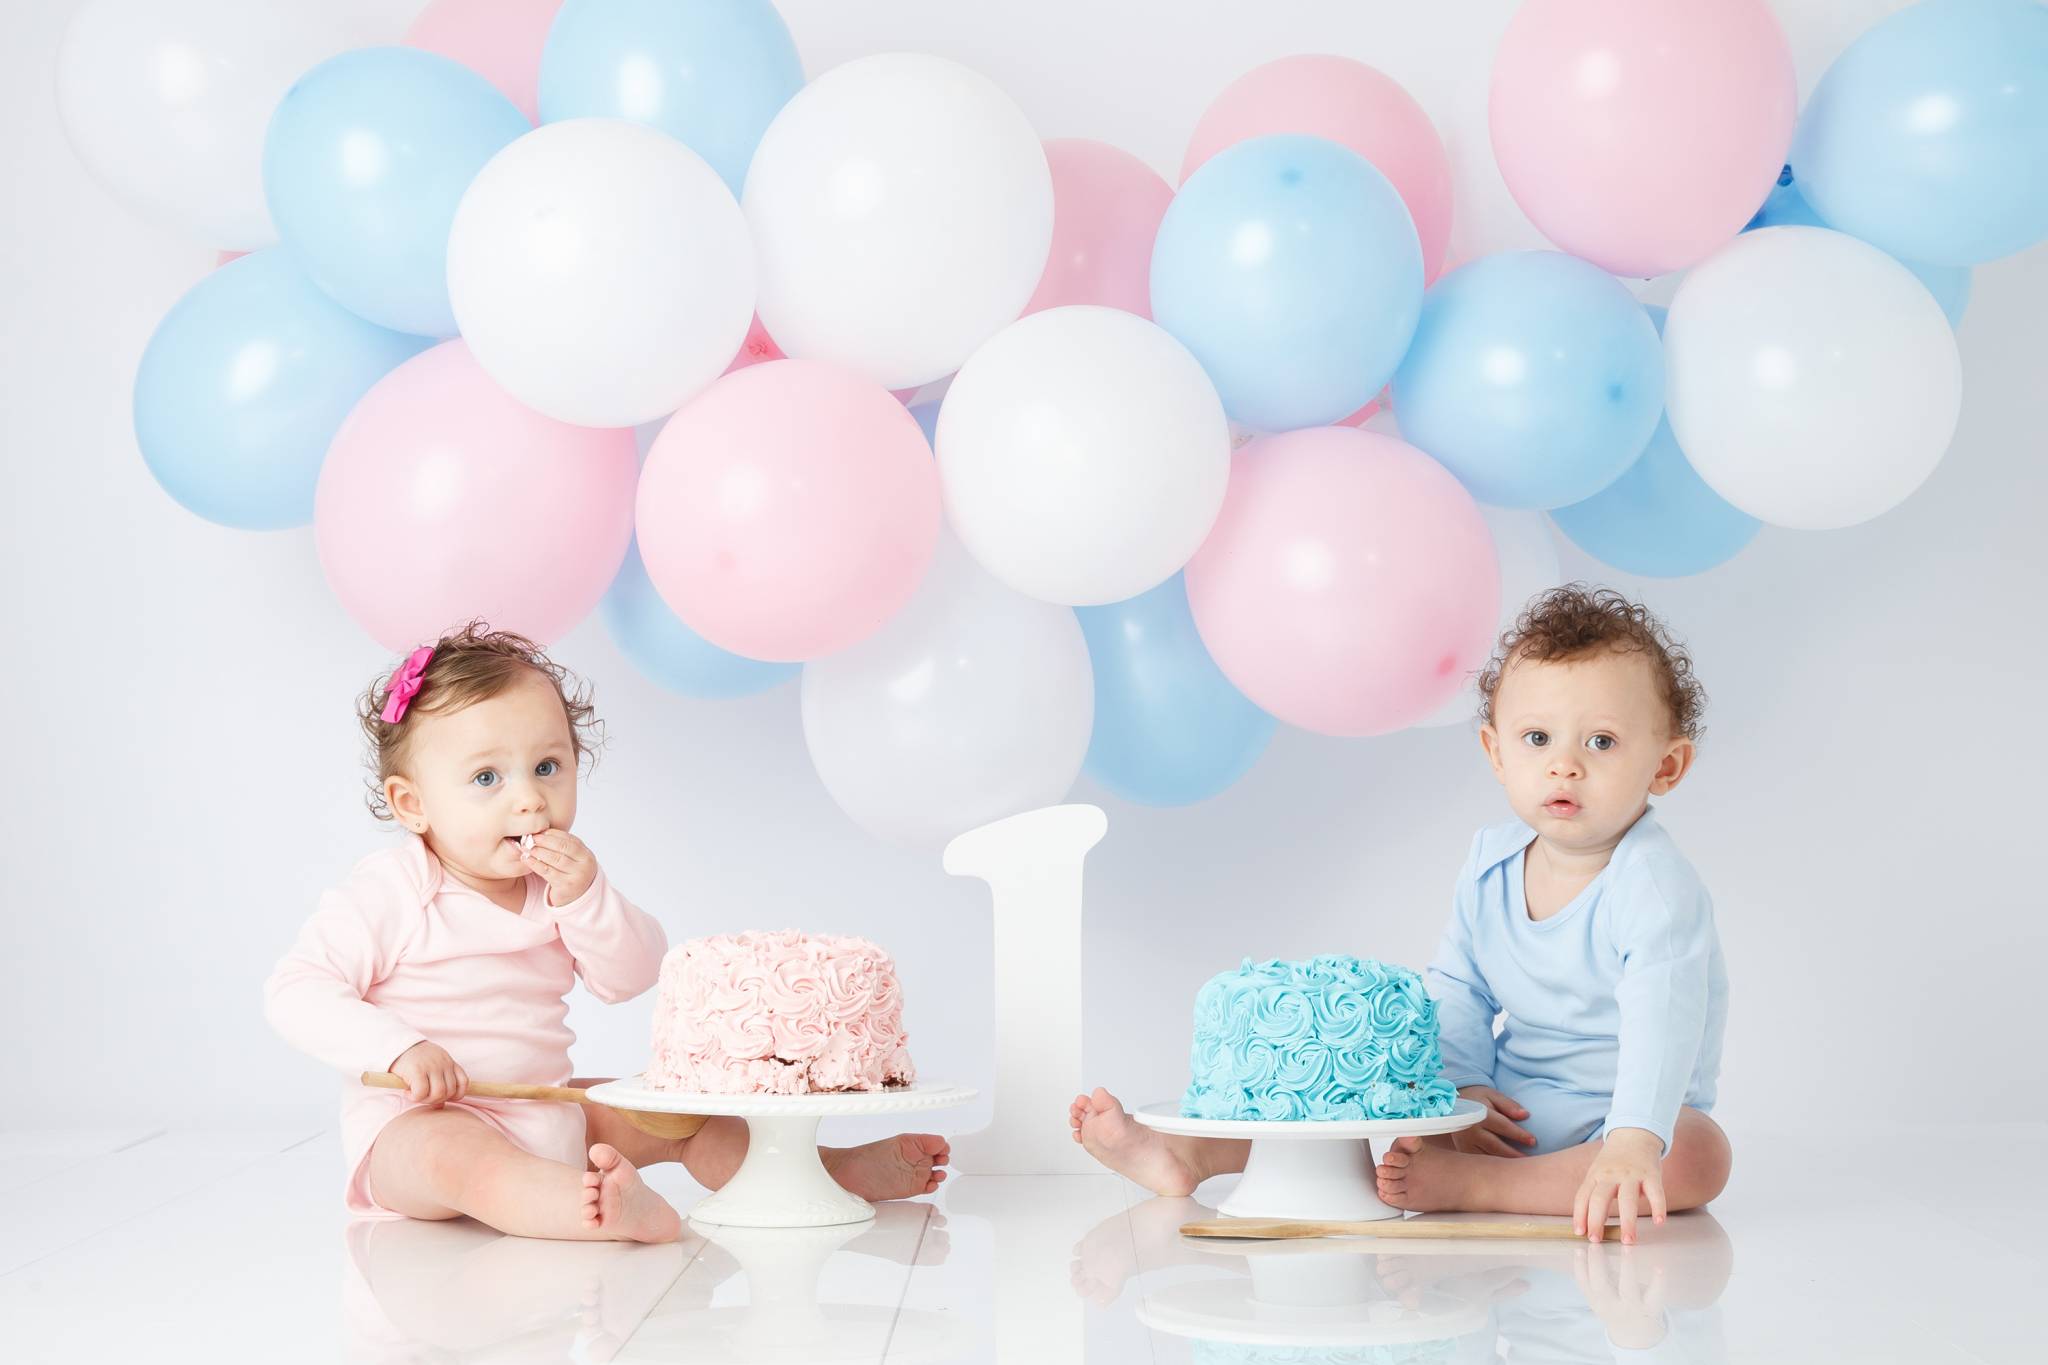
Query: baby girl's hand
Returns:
{"type": "Point", "coordinates": [1485, 1137]}
{"type": "Point", "coordinates": [563, 862]}
{"type": "Point", "coordinates": [431, 1076]}
{"type": "Point", "coordinates": [1629, 1159]}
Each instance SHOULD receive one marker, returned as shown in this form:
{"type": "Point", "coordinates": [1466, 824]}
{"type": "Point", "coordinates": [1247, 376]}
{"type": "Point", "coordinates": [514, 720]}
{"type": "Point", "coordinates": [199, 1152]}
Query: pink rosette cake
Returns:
{"type": "Point", "coordinates": [778, 1014]}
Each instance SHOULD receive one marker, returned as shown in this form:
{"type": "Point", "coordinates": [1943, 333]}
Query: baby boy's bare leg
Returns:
{"type": "Point", "coordinates": [1163, 1164]}
{"type": "Point", "coordinates": [442, 1163]}
{"type": "Point", "coordinates": [1420, 1177]}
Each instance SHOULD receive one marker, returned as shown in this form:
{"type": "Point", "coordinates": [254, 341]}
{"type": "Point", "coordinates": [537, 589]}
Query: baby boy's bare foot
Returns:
{"type": "Point", "coordinates": [616, 1200]}
{"type": "Point", "coordinates": [900, 1167]}
{"type": "Point", "coordinates": [1103, 1260]}
{"type": "Point", "coordinates": [1135, 1152]}
{"type": "Point", "coordinates": [1425, 1178]}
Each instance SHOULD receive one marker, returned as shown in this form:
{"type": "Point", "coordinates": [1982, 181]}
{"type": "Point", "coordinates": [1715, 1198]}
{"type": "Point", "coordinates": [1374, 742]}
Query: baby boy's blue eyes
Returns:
{"type": "Point", "coordinates": [488, 778]}
{"type": "Point", "coordinates": [1537, 739]}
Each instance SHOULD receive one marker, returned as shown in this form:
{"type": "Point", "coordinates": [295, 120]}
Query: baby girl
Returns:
{"type": "Point", "coordinates": [451, 954]}
{"type": "Point", "coordinates": [1580, 926]}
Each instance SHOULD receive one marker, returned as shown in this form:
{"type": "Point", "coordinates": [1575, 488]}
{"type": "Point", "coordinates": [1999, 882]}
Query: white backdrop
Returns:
{"type": "Point", "coordinates": [183, 770]}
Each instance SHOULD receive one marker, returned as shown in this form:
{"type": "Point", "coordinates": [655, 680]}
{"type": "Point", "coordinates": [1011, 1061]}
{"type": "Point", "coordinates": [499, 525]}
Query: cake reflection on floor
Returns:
{"type": "Point", "coordinates": [460, 1289]}
{"type": "Point", "coordinates": [1555, 1300]}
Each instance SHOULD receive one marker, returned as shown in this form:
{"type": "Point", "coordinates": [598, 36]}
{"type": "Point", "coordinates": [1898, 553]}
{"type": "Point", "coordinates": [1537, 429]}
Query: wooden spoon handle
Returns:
{"type": "Point", "coordinates": [1273, 1228]}
{"type": "Point", "coordinates": [496, 1090]}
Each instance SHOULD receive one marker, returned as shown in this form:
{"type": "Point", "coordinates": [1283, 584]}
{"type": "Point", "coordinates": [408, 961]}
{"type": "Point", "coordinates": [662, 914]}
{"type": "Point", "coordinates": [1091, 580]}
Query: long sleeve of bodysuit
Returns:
{"type": "Point", "coordinates": [314, 997]}
{"type": "Point", "coordinates": [1464, 1008]}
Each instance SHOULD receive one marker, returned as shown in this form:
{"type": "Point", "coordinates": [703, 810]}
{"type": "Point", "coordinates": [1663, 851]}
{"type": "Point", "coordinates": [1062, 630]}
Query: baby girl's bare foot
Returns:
{"type": "Point", "coordinates": [616, 1200]}
{"type": "Point", "coordinates": [901, 1167]}
{"type": "Point", "coordinates": [1425, 1178]}
{"type": "Point", "coordinates": [1135, 1152]}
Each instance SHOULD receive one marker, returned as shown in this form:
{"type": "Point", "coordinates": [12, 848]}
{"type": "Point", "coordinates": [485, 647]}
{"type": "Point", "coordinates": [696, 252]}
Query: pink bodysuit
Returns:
{"type": "Point", "coordinates": [400, 953]}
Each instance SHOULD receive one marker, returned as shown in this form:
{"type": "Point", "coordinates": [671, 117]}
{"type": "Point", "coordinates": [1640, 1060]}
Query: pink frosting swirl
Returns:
{"type": "Point", "coordinates": [778, 1013]}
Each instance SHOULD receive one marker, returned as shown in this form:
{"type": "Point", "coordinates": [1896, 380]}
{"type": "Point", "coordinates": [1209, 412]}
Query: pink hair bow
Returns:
{"type": "Point", "coordinates": [405, 684]}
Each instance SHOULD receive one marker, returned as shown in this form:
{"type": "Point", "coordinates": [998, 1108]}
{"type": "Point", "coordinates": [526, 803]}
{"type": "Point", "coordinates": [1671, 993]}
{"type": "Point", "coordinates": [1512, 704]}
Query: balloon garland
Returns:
{"type": "Point", "coordinates": [458, 271]}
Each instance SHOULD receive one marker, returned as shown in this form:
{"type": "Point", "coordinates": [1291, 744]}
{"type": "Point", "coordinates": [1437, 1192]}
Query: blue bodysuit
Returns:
{"type": "Point", "coordinates": [1614, 1005]}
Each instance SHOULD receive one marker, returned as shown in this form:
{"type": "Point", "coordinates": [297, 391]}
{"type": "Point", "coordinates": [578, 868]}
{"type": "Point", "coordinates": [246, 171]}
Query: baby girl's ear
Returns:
{"type": "Point", "coordinates": [404, 802]}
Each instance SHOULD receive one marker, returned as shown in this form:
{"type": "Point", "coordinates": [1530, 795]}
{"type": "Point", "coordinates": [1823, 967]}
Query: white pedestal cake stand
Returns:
{"type": "Point", "coordinates": [781, 1183]}
{"type": "Point", "coordinates": [1318, 1169]}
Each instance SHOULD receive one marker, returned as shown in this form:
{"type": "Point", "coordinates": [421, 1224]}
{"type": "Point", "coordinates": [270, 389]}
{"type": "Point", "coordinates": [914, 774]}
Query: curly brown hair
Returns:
{"type": "Point", "coordinates": [1575, 621]}
{"type": "Point", "coordinates": [470, 664]}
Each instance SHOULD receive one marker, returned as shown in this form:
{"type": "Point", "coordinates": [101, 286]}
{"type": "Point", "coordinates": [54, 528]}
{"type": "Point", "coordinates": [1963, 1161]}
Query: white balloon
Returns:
{"type": "Point", "coordinates": [902, 208]}
{"type": "Point", "coordinates": [1528, 565]}
{"type": "Point", "coordinates": [973, 703]}
{"type": "Point", "coordinates": [600, 272]}
{"type": "Point", "coordinates": [167, 101]}
{"type": "Point", "coordinates": [1084, 454]}
{"type": "Point", "coordinates": [1811, 379]}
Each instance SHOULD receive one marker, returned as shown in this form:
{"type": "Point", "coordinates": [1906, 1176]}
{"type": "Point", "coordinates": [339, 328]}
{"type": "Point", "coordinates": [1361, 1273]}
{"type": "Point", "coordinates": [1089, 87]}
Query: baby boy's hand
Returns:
{"type": "Point", "coordinates": [563, 862]}
{"type": "Point", "coordinates": [1630, 1159]}
{"type": "Point", "coordinates": [1491, 1135]}
{"type": "Point", "coordinates": [431, 1076]}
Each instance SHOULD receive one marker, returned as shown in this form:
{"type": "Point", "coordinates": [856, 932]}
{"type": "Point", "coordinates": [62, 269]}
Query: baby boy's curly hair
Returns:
{"type": "Point", "coordinates": [470, 665]}
{"type": "Point", "coordinates": [1576, 621]}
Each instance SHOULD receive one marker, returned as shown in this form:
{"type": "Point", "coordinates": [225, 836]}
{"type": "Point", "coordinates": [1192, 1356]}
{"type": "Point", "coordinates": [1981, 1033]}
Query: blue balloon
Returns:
{"type": "Point", "coordinates": [669, 652]}
{"type": "Point", "coordinates": [712, 76]}
{"type": "Point", "coordinates": [1169, 727]}
{"type": "Point", "coordinates": [1787, 207]}
{"type": "Point", "coordinates": [927, 415]}
{"type": "Point", "coordinates": [1659, 518]}
{"type": "Point", "coordinates": [366, 159]}
{"type": "Point", "coordinates": [244, 384]}
{"type": "Point", "coordinates": [1928, 137]}
{"type": "Point", "coordinates": [1291, 269]}
{"type": "Point", "coordinates": [1535, 378]}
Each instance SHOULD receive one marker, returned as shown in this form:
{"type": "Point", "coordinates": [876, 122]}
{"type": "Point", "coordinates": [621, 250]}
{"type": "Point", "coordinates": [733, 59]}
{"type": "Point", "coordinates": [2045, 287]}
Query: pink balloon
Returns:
{"type": "Point", "coordinates": [1350, 584]}
{"type": "Point", "coordinates": [1642, 136]}
{"type": "Point", "coordinates": [1364, 414]}
{"type": "Point", "coordinates": [442, 499]}
{"type": "Point", "coordinates": [788, 510]}
{"type": "Point", "coordinates": [1350, 103]}
{"type": "Point", "coordinates": [1106, 207]}
{"type": "Point", "coordinates": [758, 346]}
{"type": "Point", "coordinates": [500, 40]}
{"type": "Point", "coordinates": [221, 258]}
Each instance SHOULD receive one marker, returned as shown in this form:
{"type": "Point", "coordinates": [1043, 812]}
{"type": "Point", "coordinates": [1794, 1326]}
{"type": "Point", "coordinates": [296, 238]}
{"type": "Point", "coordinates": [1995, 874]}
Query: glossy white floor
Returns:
{"type": "Point", "coordinates": [174, 1246]}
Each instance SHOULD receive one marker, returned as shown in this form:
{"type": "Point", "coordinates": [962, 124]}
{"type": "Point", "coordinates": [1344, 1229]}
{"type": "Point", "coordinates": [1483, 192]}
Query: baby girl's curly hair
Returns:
{"type": "Point", "coordinates": [1576, 621]}
{"type": "Point", "coordinates": [470, 665]}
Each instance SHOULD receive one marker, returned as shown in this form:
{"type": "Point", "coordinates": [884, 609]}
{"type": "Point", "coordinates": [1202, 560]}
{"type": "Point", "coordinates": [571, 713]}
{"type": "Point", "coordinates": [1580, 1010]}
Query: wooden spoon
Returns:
{"type": "Point", "coordinates": [1266, 1229]}
{"type": "Point", "coordinates": [646, 1120]}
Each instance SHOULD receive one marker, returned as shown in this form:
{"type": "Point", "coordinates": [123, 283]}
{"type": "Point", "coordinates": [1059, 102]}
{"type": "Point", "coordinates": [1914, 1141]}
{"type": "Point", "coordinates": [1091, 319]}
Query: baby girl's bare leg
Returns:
{"type": "Point", "coordinates": [1161, 1163]}
{"type": "Point", "coordinates": [442, 1163]}
{"type": "Point", "coordinates": [1414, 1175]}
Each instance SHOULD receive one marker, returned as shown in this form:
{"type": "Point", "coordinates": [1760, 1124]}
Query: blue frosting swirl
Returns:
{"type": "Point", "coordinates": [1335, 1037]}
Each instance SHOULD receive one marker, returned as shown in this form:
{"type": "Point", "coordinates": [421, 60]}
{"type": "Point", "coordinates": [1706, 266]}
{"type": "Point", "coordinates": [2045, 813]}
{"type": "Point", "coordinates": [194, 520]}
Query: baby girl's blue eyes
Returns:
{"type": "Point", "coordinates": [1536, 739]}
{"type": "Point", "coordinates": [488, 778]}
{"type": "Point", "coordinates": [1600, 743]}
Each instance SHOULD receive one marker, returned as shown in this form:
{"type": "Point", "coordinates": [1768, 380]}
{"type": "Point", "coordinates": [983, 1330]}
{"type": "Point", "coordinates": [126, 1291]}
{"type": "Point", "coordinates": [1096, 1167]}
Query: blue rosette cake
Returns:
{"type": "Point", "coordinates": [1335, 1037]}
